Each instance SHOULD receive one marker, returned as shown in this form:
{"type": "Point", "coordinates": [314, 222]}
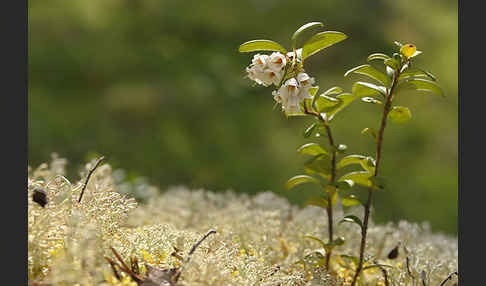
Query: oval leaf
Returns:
{"type": "Point", "coordinates": [261, 45]}
{"type": "Point", "coordinates": [318, 164]}
{"type": "Point", "coordinates": [321, 41]}
{"type": "Point", "coordinates": [317, 201]}
{"type": "Point", "coordinates": [352, 219]}
{"type": "Point", "coordinates": [303, 28]}
{"type": "Point", "coordinates": [371, 72]}
{"type": "Point", "coordinates": [346, 99]}
{"type": "Point", "coordinates": [333, 90]}
{"type": "Point", "coordinates": [362, 89]}
{"type": "Point", "coordinates": [308, 131]}
{"type": "Point", "coordinates": [400, 114]}
{"type": "Point", "coordinates": [311, 149]}
{"type": "Point", "coordinates": [300, 179]}
{"type": "Point", "coordinates": [359, 177]}
{"type": "Point", "coordinates": [371, 100]}
{"type": "Point", "coordinates": [377, 56]}
{"type": "Point", "coordinates": [350, 201]}
{"type": "Point", "coordinates": [420, 84]}
{"type": "Point", "coordinates": [323, 103]}
{"type": "Point", "coordinates": [367, 163]}
{"type": "Point", "coordinates": [391, 62]}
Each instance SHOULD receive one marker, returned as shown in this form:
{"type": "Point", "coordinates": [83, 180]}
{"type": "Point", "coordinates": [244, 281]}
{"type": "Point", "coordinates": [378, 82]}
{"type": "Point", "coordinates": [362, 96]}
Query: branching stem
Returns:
{"type": "Point", "coordinates": [332, 180]}
{"type": "Point", "coordinates": [89, 175]}
{"type": "Point", "coordinates": [367, 207]}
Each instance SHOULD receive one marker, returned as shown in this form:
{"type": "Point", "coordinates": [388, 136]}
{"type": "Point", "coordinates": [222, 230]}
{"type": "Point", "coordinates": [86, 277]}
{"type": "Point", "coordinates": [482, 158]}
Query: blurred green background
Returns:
{"type": "Point", "coordinates": [159, 88]}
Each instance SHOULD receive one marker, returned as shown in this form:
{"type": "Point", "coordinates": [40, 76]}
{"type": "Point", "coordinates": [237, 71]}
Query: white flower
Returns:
{"type": "Point", "coordinates": [287, 95]}
{"type": "Point", "coordinates": [277, 62]}
{"type": "Point", "coordinates": [259, 62]}
{"type": "Point", "coordinates": [255, 75]}
{"type": "Point", "coordinates": [305, 82]}
{"type": "Point", "coordinates": [298, 52]}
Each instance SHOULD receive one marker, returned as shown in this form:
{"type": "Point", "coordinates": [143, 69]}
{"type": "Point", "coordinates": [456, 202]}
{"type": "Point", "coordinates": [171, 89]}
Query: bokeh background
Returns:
{"type": "Point", "coordinates": [159, 88]}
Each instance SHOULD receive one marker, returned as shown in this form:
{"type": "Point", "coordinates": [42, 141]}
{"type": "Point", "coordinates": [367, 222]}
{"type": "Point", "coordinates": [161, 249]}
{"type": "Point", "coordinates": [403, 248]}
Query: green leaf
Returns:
{"type": "Point", "coordinates": [371, 132]}
{"type": "Point", "coordinates": [398, 43]}
{"type": "Point", "coordinates": [359, 177]}
{"type": "Point", "coordinates": [311, 149]}
{"type": "Point", "coordinates": [300, 179]}
{"type": "Point", "coordinates": [416, 72]}
{"type": "Point", "coordinates": [362, 89]}
{"type": "Point", "coordinates": [303, 28]}
{"type": "Point", "coordinates": [344, 185]}
{"type": "Point", "coordinates": [377, 56]}
{"type": "Point", "coordinates": [400, 114]}
{"type": "Point", "coordinates": [308, 131]}
{"type": "Point", "coordinates": [346, 99]}
{"type": "Point", "coordinates": [371, 72]}
{"type": "Point", "coordinates": [336, 242]}
{"type": "Point", "coordinates": [420, 84]}
{"type": "Point", "coordinates": [350, 201]}
{"type": "Point", "coordinates": [333, 90]}
{"type": "Point", "coordinates": [261, 45]}
{"type": "Point", "coordinates": [322, 243]}
{"type": "Point", "coordinates": [317, 201]}
{"type": "Point", "coordinates": [321, 41]}
{"type": "Point", "coordinates": [318, 164]}
{"type": "Point", "coordinates": [371, 100]}
{"type": "Point", "coordinates": [366, 162]}
{"type": "Point", "coordinates": [323, 102]}
{"type": "Point", "coordinates": [352, 219]}
{"type": "Point", "coordinates": [393, 63]}
{"type": "Point", "coordinates": [334, 197]}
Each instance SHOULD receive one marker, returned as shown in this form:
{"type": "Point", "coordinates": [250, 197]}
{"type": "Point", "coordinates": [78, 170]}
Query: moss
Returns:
{"type": "Point", "coordinates": [259, 239]}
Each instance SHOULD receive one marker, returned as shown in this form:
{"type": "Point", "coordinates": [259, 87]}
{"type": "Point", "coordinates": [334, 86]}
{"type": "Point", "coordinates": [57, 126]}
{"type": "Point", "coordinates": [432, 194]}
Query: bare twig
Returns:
{"type": "Point", "coordinates": [89, 175]}
{"type": "Point", "coordinates": [385, 273]}
{"type": "Point", "coordinates": [191, 251]}
{"type": "Point", "coordinates": [449, 277]}
{"type": "Point", "coordinates": [408, 266]}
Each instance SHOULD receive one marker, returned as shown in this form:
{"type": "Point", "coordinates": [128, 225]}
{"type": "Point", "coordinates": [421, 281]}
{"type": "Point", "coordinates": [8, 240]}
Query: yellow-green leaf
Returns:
{"type": "Point", "coordinates": [321, 41]}
{"type": "Point", "coordinates": [311, 149]}
{"type": "Point", "coordinates": [300, 179]}
{"type": "Point", "coordinates": [261, 45]}
{"type": "Point", "coordinates": [371, 72]}
{"type": "Point", "coordinates": [420, 84]}
{"type": "Point", "coordinates": [303, 28]}
{"type": "Point", "coordinates": [359, 177]}
{"type": "Point", "coordinates": [400, 114]}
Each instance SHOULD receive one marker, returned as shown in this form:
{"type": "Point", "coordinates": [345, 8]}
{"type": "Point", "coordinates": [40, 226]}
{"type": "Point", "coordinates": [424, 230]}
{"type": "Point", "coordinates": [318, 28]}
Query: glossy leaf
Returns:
{"type": "Point", "coordinates": [345, 185]}
{"type": "Point", "coordinates": [346, 99]}
{"type": "Point", "coordinates": [350, 201]}
{"type": "Point", "coordinates": [363, 89]}
{"type": "Point", "coordinates": [323, 103]}
{"type": "Point", "coordinates": [261, 45]}
{"type": "Point", "coordinates": [377, 56]}
{"type": "Point", "coordinates": [321, 41]}
{"type": "Point", "coordinates": [352, 219]}
{"type": "Point", "coordinates": [391, 62]}
{"type": "Point", "coordinates": [308, 131]}
{"type": "Point", "coordinates": [416, 73]}
{"type": "Point", "coordinates": [303, 28]}
{"type": "Point", "coordinates": [318, 164]}
{"type": "Point", "coordinates": [371, 72]}
{"type": "Point", "coordinates": [420, 84]}
{"type": "Point", "coordinates": [400, 114]}
{"type": "Point", "coordinates": [366, 162]}
{"type": "Point", "coordinates": [333, 90]}
{"type": "Point", "coordinates": [371, 132]}
{"type": "Point", "coordinates": [317, 201]}
{"type": "Point", "coordinates": [300, 179]}
{"type": "Point", "coordinates": [371, 100]}
{"type": "Point", "coordinates": [359, 177]}
{"type": "Point", "coordinates": [311, 149]}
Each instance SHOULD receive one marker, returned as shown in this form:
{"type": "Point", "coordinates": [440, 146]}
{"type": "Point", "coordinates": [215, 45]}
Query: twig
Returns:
{"type": "Point", "coordinates": [89, 175]}
{"type": "Point", "coordinates": [385, 273]}
{"type": "Point", "coordinates": [449, 277]}
{"type": "Point", "coordinates": [191, 251]}
{"type": "Point", "coordinates": [408, 266]}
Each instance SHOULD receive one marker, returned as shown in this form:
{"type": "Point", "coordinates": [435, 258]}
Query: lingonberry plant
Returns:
{"type": "Point", "coordinates": [298, 97]}
{"type": "Point", "coordinates": [400, 75]}
{"type": "Point", "coordinates": [295, 91]}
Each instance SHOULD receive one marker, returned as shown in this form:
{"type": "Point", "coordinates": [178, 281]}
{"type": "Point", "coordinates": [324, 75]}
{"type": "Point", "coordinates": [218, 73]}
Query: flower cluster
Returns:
{"type": "Point", "coordinates": [270, 69]}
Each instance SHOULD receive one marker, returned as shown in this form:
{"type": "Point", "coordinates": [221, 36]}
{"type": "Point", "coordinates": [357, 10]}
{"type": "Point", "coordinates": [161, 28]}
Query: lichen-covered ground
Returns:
{"type": "Point", "coordinates": [259, 240]}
